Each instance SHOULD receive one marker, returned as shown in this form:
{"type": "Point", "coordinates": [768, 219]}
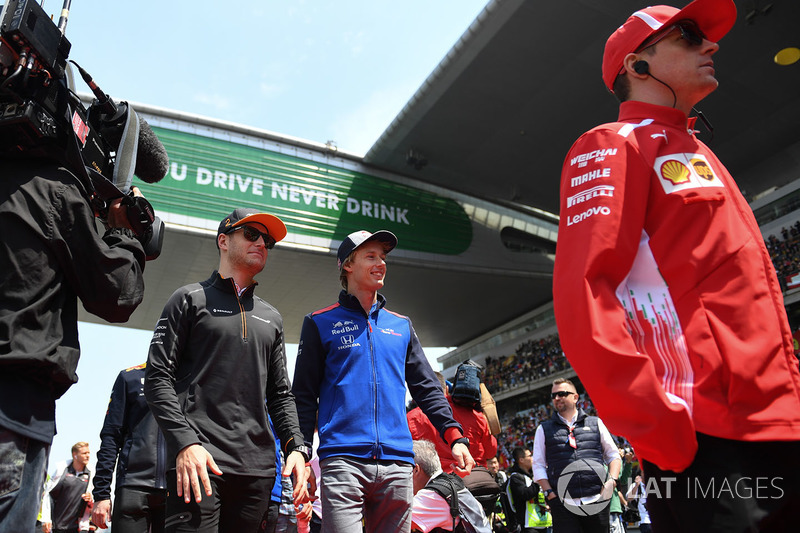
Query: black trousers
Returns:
{"type": "Point", "coordinates": [732, 486]}
{"type": "Point", "coordinates": [137, 510]}
{"type": "Point", "coordinates": [237, 505]}
{"type": "Point", "coordinates": [565, 521]}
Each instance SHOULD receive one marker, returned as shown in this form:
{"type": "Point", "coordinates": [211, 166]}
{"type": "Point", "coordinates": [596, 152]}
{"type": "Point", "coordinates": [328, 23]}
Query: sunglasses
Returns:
{"type": "Point", "coordinates": [252, 235]}
{"type": "Point", "coordinates": [690, 32]}
{"type": "Point", "coordinates": [562, 394]}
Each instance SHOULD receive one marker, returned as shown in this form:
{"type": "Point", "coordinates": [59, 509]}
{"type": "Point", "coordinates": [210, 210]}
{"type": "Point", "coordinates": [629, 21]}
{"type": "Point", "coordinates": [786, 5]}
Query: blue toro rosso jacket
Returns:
{"type": "Point", "coordinates": [351, 370]}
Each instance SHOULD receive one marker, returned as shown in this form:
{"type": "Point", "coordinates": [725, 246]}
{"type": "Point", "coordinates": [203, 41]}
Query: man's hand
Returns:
{"type": "Point", "coordinates": [191, 470]}
{"type": "Point", "coordinates": [296, 464]}
{"type": "Point", "coordinates": [47, 527]}
{"type": "Point", "coordinates": [464, 460]}
{"type": "Point", "coordinates": [608, 489]}
{"type": "Point", "coordinates": [311, 482]}
{"type": "Point", "coordinates": [304, 512]}
{"type": "Point", "coordinates": [101, 514]}
{"type": "Point", "coordinates": [118, 213]}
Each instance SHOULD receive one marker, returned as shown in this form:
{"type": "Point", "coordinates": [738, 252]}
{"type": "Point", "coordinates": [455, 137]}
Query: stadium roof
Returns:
{"type": "Point", "coordinates": [498, 115]}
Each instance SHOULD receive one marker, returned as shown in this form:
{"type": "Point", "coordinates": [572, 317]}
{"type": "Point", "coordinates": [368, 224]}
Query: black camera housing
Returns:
{"type": "Point", "coordinates": [42, 117]}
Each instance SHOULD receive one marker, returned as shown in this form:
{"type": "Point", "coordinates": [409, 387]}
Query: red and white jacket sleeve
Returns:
{"type": "Point", "coordinates": [605, 187]}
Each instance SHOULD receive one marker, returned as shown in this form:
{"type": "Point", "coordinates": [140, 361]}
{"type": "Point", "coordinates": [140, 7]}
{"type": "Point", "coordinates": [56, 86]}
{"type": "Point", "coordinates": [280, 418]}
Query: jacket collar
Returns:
{"type": "Point", "coordinates": [558, 420]}
{"type": "Point", "coordinates": [351, 302]}
{"type": "Point", "coordinates": [227, 284]}
{"type": "Point", "coordinates": [635, 111]}
{"type": "Point", "coordinates": [516, 469]}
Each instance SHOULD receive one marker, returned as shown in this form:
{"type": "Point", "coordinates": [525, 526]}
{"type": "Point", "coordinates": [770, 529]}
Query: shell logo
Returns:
{"type": "Point", "coordinates": [675, 171]}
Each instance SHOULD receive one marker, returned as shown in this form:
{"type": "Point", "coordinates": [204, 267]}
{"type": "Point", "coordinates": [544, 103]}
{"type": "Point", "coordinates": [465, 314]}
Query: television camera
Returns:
{"type": "Point", "coordinates": [41, 116]}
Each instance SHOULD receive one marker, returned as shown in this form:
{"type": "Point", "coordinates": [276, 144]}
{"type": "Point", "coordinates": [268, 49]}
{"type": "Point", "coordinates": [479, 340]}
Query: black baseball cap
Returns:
{"type": "Point", "coordinates": [357, 238]}
{"type": "Point", "coordinates": [244, 215]}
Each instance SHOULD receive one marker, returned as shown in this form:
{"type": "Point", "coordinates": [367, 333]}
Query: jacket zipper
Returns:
{"type": "Point", "coordinates": [241, 312]}
{"type": "Point", "coordinates": [374, 388]}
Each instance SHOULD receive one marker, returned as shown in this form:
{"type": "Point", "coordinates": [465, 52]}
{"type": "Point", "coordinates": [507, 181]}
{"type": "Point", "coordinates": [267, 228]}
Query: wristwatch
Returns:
{"type": "Point", "coordinates": [547, 492]}
{"type": "Point", "coordinates": [304, 450]}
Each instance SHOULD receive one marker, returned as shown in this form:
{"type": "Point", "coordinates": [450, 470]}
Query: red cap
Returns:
{"type": "Point", "coordinates": [714, 17]}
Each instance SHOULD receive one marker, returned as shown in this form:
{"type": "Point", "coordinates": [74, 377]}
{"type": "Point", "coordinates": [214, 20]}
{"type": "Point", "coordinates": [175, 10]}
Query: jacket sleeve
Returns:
{"type": "Point", "coordinates": [308, 374]}
{"type": "Point", "coordinates": [280, 400]}
{"type": "Point", "coordinates": [85, 519]}
{"type": "Point", "coordinates": [112, 437]}
{"type": "Point", "coordinates": [489, 440]}
{"type": "Point", "coordinates": [163, 360]}
{"type": "Point", "coordinates": [105, 272]}
{"type": "Point", "coordinates": [521, 491]}
{"type": "Point", "coordinates": [598, 240]}
{"type": "Point", "coordinates": [420, 427]}
{"type": "Point", "coordinates": [426, 389]}
{"type": "Point", "coordinates": [47, 500]}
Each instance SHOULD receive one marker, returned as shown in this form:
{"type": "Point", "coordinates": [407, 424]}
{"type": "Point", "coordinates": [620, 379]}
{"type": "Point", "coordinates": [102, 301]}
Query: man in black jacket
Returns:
{"type": "Point", "coordinates": [217, 354]}
{"type": "Point", "coordinates": [51, 255]}
{"type": "Point", "coordinates": [67, 501]}
{"type": "Point", "coordinates": [524, 492]}
{"type": "Point", "coordinates": [130, 438]}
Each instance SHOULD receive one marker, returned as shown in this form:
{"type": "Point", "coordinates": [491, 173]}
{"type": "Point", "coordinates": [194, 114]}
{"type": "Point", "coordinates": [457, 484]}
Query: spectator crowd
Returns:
{"type": "Point", "coordinates": [785, 253]}
{"type": "Point", "coordinates": [533, 359]}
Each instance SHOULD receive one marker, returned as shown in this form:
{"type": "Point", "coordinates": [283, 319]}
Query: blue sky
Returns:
{"type": "Point", "coordinates": [315, 70]}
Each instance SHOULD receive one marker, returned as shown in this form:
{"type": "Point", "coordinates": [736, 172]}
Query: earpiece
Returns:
{"type": "Point", "coordinates": [641, 67]}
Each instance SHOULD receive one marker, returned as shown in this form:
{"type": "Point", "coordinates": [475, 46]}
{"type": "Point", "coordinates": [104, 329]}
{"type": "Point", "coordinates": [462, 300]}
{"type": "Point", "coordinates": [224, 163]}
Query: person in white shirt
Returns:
{"type": "Point", "coordinates": [430, 509]}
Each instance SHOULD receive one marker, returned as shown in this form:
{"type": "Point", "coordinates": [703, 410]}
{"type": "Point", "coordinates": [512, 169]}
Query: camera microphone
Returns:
{"type": "Point", "coordinates": [152, 161]}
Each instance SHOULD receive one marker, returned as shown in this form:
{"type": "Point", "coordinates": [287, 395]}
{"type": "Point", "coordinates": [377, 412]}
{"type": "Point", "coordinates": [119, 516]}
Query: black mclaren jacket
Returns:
{"type": "Point", "coordinates": [214, 359]}
{"type": "Point", "coordinates": [130, 438]}
{"type": "Point", "coordinates": [51, 255]}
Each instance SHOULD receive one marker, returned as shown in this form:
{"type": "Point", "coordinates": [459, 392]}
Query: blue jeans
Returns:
{"type": "Point", "coordinates": [23, 466]}
{"type": "Point", "coordinates": [380, 492]}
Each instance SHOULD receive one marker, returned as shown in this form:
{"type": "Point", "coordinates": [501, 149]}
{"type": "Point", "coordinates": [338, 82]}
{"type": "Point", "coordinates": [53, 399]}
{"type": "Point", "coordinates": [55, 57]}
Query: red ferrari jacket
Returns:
{"type": "Point", "coordinates": [482, 444]}
{"type": "Point", "coordinates": [666, 300]}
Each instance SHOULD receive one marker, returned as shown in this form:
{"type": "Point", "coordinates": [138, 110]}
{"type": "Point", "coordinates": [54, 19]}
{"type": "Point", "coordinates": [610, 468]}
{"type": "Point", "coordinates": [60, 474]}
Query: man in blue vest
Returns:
{"type": "Point", "coordinates": [570, 451]}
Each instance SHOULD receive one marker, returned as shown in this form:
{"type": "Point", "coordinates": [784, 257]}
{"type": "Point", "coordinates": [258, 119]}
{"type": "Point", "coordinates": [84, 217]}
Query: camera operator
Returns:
{"type": "Point", "coordinates": [51, 255]}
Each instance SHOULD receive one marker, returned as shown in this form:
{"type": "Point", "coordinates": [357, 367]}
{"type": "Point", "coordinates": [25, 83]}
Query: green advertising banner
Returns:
{"type": "Point", "coordinates": [208, 178]}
